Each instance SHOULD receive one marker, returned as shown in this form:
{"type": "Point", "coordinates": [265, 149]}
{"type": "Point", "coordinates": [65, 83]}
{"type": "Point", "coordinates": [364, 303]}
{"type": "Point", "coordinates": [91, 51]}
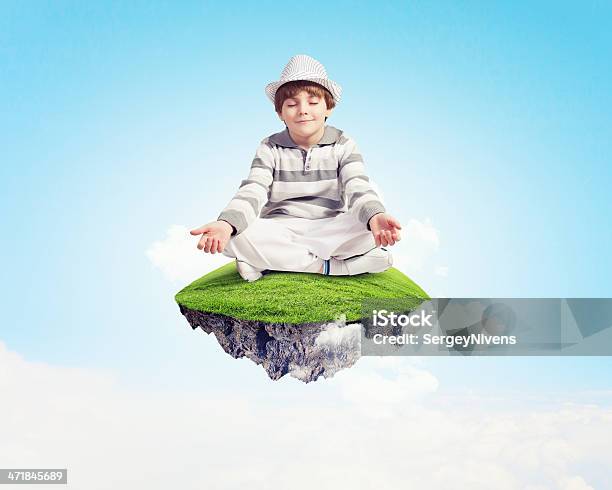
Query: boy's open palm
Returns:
{"type": "Point", "coordinates": [385, 229]}
{"type": "Point", "coordinates": [215, 236]}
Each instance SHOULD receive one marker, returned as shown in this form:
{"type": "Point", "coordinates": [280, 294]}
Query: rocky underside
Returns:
{"type": "Point", "coordinates": [304, 351]}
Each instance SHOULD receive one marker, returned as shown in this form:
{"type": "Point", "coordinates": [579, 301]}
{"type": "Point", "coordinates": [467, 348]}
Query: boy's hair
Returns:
{"type": "Point", "coordinates": [290, 89]}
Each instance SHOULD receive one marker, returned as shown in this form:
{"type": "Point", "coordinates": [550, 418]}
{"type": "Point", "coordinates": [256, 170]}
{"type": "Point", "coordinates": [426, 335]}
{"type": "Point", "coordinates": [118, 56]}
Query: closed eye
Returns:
{"type": "Point", "coordinates": [293, 105]}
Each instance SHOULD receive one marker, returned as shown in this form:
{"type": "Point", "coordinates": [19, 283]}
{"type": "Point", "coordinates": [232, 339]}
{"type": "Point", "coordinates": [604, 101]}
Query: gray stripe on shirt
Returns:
{"type": "Point", "coordinates": [258, 163]}
{"type": "Point", "coordinates": [305, 176]}
{"type": "Point", "coordinates": [352, 158]}
{"type": "Point", "coordinates": [362, 177]}
{"type": "Point", "coordinates": [316, 201]}
{"type": "Point", "coordinates": [357, 195]}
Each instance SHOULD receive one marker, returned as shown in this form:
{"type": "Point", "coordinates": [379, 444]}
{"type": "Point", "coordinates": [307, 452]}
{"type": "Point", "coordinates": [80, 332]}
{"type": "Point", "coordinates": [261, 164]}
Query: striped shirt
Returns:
{"type": "Point", "coordinates": [287, 181]}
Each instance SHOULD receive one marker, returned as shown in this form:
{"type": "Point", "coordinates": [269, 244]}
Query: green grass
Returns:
{"type": "Point", "coordinates": [290, 297]}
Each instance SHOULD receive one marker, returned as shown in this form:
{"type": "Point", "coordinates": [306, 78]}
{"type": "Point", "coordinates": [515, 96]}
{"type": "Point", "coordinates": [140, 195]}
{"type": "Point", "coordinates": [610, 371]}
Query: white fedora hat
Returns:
{"type": "Point", "coordinates": [303, 67]}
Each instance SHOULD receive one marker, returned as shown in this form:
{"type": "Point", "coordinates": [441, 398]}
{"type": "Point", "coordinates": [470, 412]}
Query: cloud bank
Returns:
{"type": "Point", "coordinates": [374, 426]}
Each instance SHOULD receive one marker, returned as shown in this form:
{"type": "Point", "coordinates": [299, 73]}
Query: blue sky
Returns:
{"type": "Point", "coordinates": [118, 121]}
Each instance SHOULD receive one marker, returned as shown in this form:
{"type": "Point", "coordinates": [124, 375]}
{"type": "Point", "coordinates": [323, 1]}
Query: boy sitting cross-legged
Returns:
{"type": "Point", "coordinates": [307, 204]}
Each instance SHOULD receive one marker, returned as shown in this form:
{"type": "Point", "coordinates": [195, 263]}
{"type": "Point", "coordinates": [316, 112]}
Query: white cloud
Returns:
{"type": "Point", "coordinates": [178, 257]}
{"type": "Point", "coordinates": [378, 396]}
{"type": "Point", "coordinates": [339, 335]}
{"type": "Point", "coordinates": [574, 483]}
{"type": "Point", "coordinates": [419, 244]}
{"type": "Point", "coordinates": [355, 430]}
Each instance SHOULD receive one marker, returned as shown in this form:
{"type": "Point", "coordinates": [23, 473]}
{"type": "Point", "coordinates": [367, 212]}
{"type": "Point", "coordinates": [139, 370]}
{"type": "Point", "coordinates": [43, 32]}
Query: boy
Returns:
{"type": "Point", "coordinates": [307, 205]}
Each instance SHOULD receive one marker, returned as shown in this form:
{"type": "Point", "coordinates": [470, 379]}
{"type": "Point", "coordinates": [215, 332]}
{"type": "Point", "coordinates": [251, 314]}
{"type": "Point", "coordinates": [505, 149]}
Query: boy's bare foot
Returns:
{"type": "Point", "coordinates": [247, 271]}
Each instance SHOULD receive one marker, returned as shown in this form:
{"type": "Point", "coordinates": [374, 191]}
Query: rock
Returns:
{"type": "Point", "coordinates": [304, 351]}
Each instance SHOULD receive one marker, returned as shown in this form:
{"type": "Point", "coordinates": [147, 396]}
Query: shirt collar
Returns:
{"type": "Point", "coordinates": [330, 136]}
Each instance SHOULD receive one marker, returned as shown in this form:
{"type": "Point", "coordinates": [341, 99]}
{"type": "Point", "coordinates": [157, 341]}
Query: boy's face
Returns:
{"type": "Point", "coordinates": [304, 114]}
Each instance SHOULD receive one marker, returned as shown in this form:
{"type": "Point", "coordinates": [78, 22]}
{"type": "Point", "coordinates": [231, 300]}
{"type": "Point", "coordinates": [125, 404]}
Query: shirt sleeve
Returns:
{"type": "Point", "coordinates": [362, 200]}
{"type": "Point", "coordinates": [253, 192]}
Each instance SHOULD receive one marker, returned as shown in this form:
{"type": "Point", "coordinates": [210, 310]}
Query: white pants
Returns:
{"type": "Point", "coordinates": [299, 244]}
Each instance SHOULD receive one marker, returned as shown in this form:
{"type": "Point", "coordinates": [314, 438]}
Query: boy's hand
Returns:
{"type": "Point", "coordinates": [215, 236]}
{"type": "Point", "coordinates": [385, 229]}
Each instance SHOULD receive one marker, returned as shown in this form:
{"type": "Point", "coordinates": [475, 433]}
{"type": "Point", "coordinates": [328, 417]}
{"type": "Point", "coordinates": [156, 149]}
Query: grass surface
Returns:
{"type": "Point", "coordinates": [291, 297]}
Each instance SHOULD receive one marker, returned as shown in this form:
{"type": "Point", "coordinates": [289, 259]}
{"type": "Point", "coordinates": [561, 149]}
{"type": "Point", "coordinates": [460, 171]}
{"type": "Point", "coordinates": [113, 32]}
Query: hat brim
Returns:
{"type": "Point", "coordinates": [333, 87]}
